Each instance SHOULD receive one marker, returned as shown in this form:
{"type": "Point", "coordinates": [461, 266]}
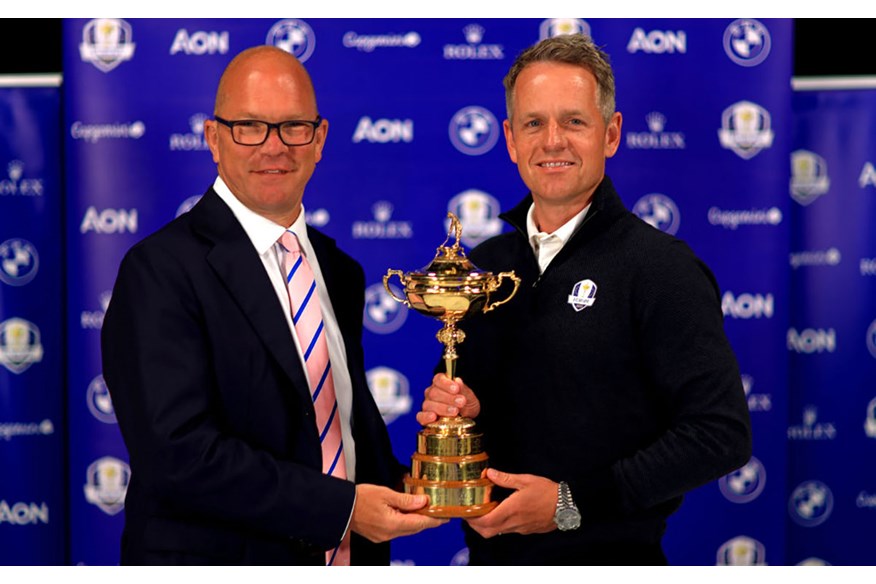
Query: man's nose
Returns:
{"type": "Point", "coordinates": [273, 143]}
{"type": "Point", "coordinates": [556, 135]}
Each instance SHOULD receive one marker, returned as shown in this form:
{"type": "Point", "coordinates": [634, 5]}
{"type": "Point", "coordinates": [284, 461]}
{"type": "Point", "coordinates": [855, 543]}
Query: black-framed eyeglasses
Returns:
{"type": "Point", "coordinates": [255, 132]}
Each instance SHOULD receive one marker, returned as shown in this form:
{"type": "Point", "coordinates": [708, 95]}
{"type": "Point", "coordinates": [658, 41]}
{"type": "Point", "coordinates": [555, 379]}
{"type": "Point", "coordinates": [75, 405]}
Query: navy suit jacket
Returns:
{"type": "Point", "coordinates": [214, 406]}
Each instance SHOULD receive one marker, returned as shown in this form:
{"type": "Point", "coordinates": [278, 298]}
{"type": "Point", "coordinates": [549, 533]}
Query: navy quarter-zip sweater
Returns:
{"type": "Point", "coordinates": [633, 400]}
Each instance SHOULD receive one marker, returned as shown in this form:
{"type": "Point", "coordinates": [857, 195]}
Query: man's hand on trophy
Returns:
{"type": "Point", "coordinates": [529, 509]}
{"type": "Point", "coordinates": [381, 514]}
{"type": "Point", "coordinates": [448, 397]}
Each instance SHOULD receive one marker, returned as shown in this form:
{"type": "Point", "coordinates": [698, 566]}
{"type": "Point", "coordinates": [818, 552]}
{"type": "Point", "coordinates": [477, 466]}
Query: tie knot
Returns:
{"type": "Point", "coordinates": [289, 241]}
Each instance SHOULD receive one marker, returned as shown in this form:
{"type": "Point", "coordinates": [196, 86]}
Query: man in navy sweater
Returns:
{"type": "Point", "coordinates": [606, 388]}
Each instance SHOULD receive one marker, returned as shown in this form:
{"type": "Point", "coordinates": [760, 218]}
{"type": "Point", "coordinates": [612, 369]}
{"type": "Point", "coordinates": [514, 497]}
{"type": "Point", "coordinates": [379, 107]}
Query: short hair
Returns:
{"type": "Point", "coordinates": [573, 49]}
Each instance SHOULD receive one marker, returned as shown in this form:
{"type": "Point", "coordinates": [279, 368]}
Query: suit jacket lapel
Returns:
{"type": "Point", "coordinates": [238, 266]}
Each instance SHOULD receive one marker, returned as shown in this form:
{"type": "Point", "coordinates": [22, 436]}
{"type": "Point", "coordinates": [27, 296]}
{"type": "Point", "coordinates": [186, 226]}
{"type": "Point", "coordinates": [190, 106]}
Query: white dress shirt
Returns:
{"type": "Point", "coordinates": [547, 245]}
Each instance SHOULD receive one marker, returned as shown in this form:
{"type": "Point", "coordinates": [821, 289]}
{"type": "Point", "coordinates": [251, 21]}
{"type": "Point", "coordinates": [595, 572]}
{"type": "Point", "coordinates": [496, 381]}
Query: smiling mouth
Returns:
{"type": "Point", "coordinates": [559, 164]}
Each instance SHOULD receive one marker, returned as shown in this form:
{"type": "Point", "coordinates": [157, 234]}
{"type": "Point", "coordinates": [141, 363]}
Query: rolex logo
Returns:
{"type": "Point", "coordinates": [16, 168]}
{"type": "Point", "coordinates": [474, 33]}
{"type": "Point", "coordinates": [382, 211]}
{"type": "Point", "coordinates": [656, 121]}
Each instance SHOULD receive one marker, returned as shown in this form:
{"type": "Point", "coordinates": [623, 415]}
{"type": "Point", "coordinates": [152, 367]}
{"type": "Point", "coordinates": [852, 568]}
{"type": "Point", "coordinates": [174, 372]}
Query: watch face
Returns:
{"type": "Point", "coordinates": [568, 519]}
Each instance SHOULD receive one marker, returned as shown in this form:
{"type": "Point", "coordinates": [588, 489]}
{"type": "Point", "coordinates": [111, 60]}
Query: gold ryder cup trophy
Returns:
{"type": "Point", "coordinates": [450, 462]}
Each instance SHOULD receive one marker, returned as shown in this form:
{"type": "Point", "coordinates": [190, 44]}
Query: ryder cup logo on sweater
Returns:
{"type": "Point", "coordinates": [552, 27]}
{"type": "Point", "coordinates": [583, 295]}
{"type": "Point", "coordinates": [809, 178]}
{"type": "Point", "coordinates": [745, 484]}
{"type": "Point", "coordinates": [658, 211]}
{"type": "Point", "coordinates": [293, 36]}
{"type": "Point", "coordinates": [19, 262]}
{"type": "Point", "coordinates": [478, 213]}
{"type": "Point", "coordinates": [810, 504]}
{"type": "Point", "coordinates": [106, 484]}
{"type": "Point", "coordinates": [474, 130]}
{"type": "Point", "coordinates": [747, 42]}
{"type": "Point", "coordinates": [390, 391]}
{"type": "Point", "coordinates": [20, 345]}
{"type": "Point", "coordinates": [742, 551]}
{"type": "Point", "coordinates": [382, 314]}
{"type": "Point", "coordinates": [745, 129]}
{"type": "Point", "coordinates": [106, 43]}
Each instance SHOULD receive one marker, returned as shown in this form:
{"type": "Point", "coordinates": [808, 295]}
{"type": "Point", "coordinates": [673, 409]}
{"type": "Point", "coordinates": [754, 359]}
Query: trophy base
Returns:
{"type": "Point", "coordinates": [450, 499]}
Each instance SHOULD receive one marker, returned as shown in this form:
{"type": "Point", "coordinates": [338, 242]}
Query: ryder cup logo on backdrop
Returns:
{"type": "Point", "coordinates": [747, 42]}
{"type": "Point", "coordinates": [19, 262]}
{"type": "Point", "coordinates": [100, 404]}
{"type": "Point", "coordinates": [742, 551]}
{"type": "Point", "coordinates": [810, 504]}
{"type": "Point", "coordinates": [870, 419]}
{"type": "Point", "coordinates": [745, 129]}
{"type": "Point", "coordinates": [809, 179]}
{"type": "Point", "coordinates": [390, 391]}
{"type": "Point", "coordinates": [658, 211]}
{"type": "Point", "coordinates": [478, 213]}
{"type": "Point", "coordinates": [106, 484]}
{"type": "Point", "coordinates": [745, 484]}
{"type": "Point", "coordinates": [194, 139]}
{"type": "Point", "coordinates": [474, 130]}
{"type": "Point", "coordinates": [871, 338]}
{"type": "Point", "coordinates": [293, 36]}
{"type": "Point", "coordinates": [106, 43]}
{"type": "Point", "coordinates": [583, 295]}
{"type": "Point", "coordinates": [552, 27]}
{"type": "Point", "coordinates": [382, 314]}
{"type": "Point", "coordinates": [20, 345]}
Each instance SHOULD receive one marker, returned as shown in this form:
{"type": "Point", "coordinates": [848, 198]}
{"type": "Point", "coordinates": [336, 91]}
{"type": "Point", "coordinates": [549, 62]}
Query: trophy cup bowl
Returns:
{"type": "Point", "coordinates": [450, 462]}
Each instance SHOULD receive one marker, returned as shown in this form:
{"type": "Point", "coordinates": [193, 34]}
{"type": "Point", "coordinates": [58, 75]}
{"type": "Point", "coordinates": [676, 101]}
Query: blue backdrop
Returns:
{"type": "Point", "coordinates": [415, 110]}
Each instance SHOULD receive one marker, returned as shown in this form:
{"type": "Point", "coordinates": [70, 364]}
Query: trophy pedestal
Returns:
{"type": "Point", "coordinates": [449, 466]}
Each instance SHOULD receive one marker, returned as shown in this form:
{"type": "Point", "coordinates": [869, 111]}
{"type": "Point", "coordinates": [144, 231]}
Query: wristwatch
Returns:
{"type": "Point", "coordinates": [567, 516]}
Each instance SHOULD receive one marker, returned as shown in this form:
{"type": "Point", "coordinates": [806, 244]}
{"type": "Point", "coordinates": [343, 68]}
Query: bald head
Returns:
{"type": "Point", "coordinates": [263, 61]}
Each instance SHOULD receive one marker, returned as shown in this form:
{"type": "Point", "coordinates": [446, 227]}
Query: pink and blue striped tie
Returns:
{"type": "Point", "coordinates": [309, 326]}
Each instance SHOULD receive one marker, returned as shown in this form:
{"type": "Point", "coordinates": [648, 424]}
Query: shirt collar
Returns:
{"type": "Point", "coordinates": [564, 233]}
{"type": "Point", "coordinates": [263, 232]}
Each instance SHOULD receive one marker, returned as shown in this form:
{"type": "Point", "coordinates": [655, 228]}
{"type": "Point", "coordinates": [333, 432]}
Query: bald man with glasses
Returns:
{"type": "Point", "coordinates": [250, 443]}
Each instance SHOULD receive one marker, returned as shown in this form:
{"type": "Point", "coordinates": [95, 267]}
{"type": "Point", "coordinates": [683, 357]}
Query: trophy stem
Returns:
{"type": "Point", "coordinates": [450, 336]}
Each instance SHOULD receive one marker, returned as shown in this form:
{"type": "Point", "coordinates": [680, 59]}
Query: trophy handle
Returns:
{"type": "Point", "coordinates": [499, 279]}
{"type": "Point", "coordinates": [386, 278]}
